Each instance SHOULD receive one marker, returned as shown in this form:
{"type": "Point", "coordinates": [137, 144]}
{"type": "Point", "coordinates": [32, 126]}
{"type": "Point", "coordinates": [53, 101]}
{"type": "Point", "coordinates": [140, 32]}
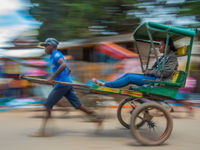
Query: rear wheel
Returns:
{"type": "Point", "coordinates": [157, 124]}
{"type": "Point", "coordinates": [125, 109]}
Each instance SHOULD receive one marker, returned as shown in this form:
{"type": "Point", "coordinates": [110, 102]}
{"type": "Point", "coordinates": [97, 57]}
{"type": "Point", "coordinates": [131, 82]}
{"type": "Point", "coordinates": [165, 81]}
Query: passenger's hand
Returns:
{"type": "Point", "coordinates": [50, 80]}
{"type": "Point", "coordinates": [147, 72]}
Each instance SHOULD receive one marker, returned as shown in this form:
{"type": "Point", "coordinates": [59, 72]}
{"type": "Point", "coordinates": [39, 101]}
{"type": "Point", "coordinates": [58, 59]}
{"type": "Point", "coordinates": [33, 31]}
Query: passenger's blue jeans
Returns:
{"type": "Point", "coordinates": [129, 78]}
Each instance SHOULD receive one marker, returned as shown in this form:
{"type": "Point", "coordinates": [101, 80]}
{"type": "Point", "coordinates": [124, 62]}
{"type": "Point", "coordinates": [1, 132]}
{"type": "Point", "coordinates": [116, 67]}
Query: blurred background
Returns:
{"type": "Point", "coordinates": [95, 37]}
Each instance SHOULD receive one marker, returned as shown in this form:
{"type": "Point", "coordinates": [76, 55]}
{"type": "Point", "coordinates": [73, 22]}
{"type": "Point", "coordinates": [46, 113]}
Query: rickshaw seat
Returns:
{"type": "Point", "coordinates": [177, 81]}
{"type": "Point", "coordinates": [178, 77]}
{"type": "Point", "coordinates": [182, 51]}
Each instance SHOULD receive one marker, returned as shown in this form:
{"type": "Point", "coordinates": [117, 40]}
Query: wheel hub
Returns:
{"type": "Point", "coordinates": [151, 124]}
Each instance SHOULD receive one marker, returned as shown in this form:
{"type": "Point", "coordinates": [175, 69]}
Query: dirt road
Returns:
{"type": "Point", "coordinates": [72, 132]}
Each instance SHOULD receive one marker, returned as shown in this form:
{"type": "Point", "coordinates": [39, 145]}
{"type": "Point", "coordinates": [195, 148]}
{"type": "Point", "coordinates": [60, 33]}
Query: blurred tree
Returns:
{"type": "Point", "coordinates": [190, 8]}
{"type": "Point", "coordinates": [70, 19]}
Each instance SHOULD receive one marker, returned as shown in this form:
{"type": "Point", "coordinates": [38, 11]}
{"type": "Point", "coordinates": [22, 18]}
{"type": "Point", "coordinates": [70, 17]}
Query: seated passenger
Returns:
{"type": "Point", "coordinates": [171, 65]}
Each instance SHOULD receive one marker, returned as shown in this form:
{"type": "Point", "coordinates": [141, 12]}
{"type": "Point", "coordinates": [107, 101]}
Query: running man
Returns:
{"type": "Point", "coordinates": [60, 72]}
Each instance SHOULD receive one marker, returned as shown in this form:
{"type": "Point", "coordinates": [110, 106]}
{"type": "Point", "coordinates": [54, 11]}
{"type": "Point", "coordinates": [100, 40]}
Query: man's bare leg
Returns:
{"type": "Point", "coordinates": [47, 117]}
{"type": "Point", "coordinates": [42, 130]}
{"type": "Point", "coordinates": [86, 110]}
{"type": "Point", "coordinates": [96, 118]}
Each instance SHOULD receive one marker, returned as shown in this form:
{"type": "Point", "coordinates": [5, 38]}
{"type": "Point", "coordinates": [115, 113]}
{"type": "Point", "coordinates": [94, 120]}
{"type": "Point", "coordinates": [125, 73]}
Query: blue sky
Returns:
{"type": "Point", "coordinates": [14, 19]}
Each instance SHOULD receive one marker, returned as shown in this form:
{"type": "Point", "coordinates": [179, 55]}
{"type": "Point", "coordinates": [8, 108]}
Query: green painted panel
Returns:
{"type": "Point", "coordinates": [167, 91]}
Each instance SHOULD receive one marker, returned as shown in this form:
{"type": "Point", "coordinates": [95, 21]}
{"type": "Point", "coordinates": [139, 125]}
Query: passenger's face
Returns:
{"type": "Point", "coordinates": [162, 47]}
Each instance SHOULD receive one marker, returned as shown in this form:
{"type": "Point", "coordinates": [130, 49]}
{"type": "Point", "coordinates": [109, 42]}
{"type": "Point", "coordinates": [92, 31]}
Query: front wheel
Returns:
{"type": "Point", "coordinates": [157, 125]}
{"type": "Point", "coordinates": [125, 110]}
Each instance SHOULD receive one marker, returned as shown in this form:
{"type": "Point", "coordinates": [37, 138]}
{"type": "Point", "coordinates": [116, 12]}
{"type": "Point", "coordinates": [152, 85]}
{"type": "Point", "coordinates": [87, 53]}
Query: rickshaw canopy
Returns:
{"type": "Point", "coordinates": [158, 30]}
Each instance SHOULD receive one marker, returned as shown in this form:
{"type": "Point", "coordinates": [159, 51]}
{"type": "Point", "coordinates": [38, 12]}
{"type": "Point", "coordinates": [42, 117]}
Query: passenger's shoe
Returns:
{"type": "Point", "coordinates": [95, 81]}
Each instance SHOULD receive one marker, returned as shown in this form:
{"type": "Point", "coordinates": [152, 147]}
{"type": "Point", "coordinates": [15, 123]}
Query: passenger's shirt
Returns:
{"type": "Point", "coordinates": [171, 66]}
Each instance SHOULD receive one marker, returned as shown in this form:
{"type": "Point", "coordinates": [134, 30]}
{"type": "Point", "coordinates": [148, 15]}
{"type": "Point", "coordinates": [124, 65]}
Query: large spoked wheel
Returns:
{"type": "Point", "coordinates": [125, 109]}
{"type": "Point", "coordinates": [157, 125]}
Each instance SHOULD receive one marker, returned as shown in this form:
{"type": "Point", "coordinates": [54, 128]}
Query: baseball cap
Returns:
{"type": "Point", "coordinates": [50, 41]}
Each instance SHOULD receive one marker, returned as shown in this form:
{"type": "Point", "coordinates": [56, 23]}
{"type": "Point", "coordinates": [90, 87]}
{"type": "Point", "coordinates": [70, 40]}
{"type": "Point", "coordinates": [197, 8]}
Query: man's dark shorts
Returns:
{"type": "Point", "coordinates": [58, 92]}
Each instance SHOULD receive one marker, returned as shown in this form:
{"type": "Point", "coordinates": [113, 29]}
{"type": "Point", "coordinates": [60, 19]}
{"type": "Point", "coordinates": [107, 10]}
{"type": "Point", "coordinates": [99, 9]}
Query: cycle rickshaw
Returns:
{"type": "Point", "coordinates": [150, 123]}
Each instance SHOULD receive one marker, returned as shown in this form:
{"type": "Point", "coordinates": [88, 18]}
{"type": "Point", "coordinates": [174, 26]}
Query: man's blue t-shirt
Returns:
{"type": "Point", "coordinates": [64, 75]}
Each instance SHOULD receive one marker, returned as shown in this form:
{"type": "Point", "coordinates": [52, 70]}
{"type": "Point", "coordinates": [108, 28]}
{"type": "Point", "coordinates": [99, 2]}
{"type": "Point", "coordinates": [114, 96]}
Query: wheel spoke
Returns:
{"type": "Point", "coordinates": [132, 105]}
